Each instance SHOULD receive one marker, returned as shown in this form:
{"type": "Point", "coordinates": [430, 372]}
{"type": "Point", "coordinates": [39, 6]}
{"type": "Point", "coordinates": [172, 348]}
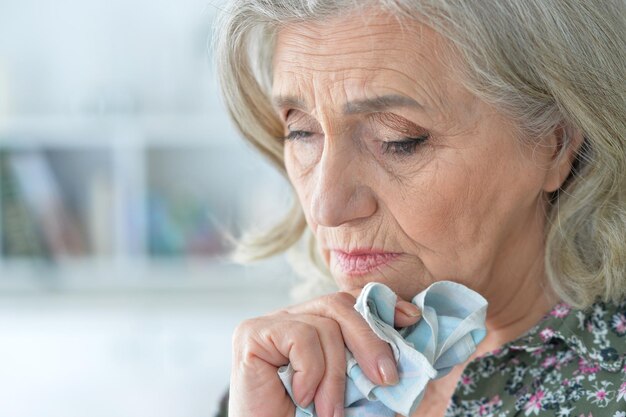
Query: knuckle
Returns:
{"type": "Point", "coordinates": [304, 333]}
{"type": "Point", "coordinates": [244, 332]}
{"type": "Point", "coordinates": [376, 348]}
{"type": "Point", "coordinates": [336, 378]}
{"type": "Point", "coordinates": [243, 344]}
{"type": "Point", "coordinates": [279, 313]}
{"type": "Point", "coordinates": [243, 329]}
{"type": "Point", "coordinates": [265, 330]}
{"type": "Point", "coordinates": [341, 298]}
{"type": "Point", "coordinates": [333, 329]}
{"type": "Point", "coordinates": [365, 332]}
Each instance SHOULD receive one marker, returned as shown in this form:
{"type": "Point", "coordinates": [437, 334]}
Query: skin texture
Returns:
{"type": "Point", "coordinates": [467, 204]}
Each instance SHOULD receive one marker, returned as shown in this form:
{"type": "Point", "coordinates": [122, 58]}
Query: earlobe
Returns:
{"type": "Point", "coordinates": [568, 144]}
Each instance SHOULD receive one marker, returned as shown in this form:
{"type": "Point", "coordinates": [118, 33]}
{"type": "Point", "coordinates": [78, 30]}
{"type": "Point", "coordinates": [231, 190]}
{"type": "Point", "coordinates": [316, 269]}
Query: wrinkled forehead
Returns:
{"type": "Point", "coordinates": [360, 55]}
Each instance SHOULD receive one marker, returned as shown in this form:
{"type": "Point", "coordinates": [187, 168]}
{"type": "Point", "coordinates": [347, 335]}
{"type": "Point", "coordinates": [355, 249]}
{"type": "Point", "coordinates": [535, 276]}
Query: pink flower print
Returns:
{"type": "Point", "coordinates": [538, 352]}
{"type": "Point", "coordinates": [549, 361]}
{"type": "Point", "coordinates": [587, 368]}
{"type": "Point", "coordinates": [533, 406]}
{"type": "Point", "coordinates": [560, 310]}
{"type": "Point", "coordinates": [468, 383]}
{"type": "Point", "coordinates": [466, 380]}
{"type": "Point", "coordinates": [621, 392]}
{"type": "Point", "coordinates": [546, 334]}
{"type": "Point", "coordinates": [619, 323]}
{"type": "Point", "coordinates": [583, 415]}
{"type": "Point", "coordinates": [600, 396]}
{"type": "Point", "coordinates": [488, 408]}
{"type": "Point", "coordinates": [495, 403]}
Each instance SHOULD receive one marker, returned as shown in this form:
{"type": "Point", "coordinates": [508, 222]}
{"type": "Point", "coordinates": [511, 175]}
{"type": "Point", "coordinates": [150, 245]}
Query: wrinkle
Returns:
{"type": "Point", "coordinates": [457, 208]}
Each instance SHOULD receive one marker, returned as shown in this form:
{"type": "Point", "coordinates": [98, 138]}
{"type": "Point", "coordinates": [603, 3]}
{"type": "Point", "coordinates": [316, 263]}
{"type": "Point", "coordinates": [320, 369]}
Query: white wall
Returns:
{"type": "Point", "coordinates": [105, 55]}
{"type": "Point", "coordinates": [122, 355]}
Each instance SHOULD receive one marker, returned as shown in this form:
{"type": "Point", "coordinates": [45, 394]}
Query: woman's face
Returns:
{"type": "Point", "coordinates": [389, 153]}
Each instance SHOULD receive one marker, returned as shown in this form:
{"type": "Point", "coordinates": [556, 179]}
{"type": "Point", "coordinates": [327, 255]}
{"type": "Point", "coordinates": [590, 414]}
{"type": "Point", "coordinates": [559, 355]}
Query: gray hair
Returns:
{"type": "Point", "coordinates": [544, 63]}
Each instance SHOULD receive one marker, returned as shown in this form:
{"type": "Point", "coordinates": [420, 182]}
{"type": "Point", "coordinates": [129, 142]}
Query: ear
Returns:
{"type": "Point", "coordinates": [566, 142]}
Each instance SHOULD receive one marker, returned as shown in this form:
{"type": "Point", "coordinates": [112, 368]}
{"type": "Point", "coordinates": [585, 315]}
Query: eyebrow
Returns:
{"type": "Point", "coordinates": [370, 105]}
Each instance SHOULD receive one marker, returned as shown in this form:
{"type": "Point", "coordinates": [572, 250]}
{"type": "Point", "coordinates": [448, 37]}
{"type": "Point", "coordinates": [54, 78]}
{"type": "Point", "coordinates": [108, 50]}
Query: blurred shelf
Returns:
{"type": "Point", "coordinates": [102, 275]}
{"type": "Point", "coordinates": [212, 129]}
{"type": "Point", "coordinates": [137, 202]}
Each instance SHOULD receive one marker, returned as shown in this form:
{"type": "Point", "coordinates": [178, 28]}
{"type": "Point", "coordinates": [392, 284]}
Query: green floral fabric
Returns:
{"type": "Point", "coordinates": [571, 364]}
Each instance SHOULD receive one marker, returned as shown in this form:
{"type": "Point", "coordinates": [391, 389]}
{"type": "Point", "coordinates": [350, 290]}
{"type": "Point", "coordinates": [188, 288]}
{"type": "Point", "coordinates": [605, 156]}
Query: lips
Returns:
{"type": "Point", "coordinates": [362, 262]}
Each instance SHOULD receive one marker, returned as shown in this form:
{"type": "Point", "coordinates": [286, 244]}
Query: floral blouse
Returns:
{"type": "Point", "coordinates": [572, 363]}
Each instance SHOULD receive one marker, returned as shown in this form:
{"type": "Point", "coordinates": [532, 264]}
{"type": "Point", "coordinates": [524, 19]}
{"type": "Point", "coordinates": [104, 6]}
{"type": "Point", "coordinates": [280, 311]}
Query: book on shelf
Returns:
{"type": "Point", "coordinates": [20, 236]}
{"type": "Point", "coordinates": [181, 226]}
{"type": "Point", "coordinates": [39, 204]}
{"type": "Point", "coordinates": [100, 214]}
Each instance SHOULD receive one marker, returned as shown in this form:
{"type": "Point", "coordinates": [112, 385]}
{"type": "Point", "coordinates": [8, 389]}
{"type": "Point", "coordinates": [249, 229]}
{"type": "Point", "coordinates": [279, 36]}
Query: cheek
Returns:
{"type": "Point", "coordinates": [459, 210]}
{"type": "Point", "coordinates": [430, 207]}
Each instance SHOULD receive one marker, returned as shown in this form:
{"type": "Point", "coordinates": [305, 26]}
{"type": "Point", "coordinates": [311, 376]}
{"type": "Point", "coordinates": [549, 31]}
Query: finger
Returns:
{"type": "Point", "coordinates": [307, 358]}
{"type": "Point", "coordinates": [406, 314]}
{"type": "Point", "coordinates": [330, 392]}
{"type": "Point", "coordinates": [254, 372]}
{"type": "Point", "coordinates": [373, 354]}
{"type": "Point", "coordinates": [288, 341]}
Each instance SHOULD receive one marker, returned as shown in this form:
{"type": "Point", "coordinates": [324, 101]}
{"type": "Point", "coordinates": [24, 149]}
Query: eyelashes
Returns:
{"type": "Point", "coordinates": [298, 134]}
{"type": "Point", "coordinates": [402, 148]}
{"type": "Point", "coordinates": [405, 147]}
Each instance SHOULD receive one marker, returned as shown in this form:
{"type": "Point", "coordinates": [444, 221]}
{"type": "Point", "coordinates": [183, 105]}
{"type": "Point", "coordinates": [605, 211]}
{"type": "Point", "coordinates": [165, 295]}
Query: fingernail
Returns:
{"type": "Point", "coordinates": [338, 411]}
{"type": "Point", "coordinates": [388, 370]}
{"type": "Point", "coordinates": [306, 400]}
{"type": "Point", "coordinates": [409, 309]}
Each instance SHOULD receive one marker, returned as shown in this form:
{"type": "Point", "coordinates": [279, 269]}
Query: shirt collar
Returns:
{"type": "Point", "coordinates": [597, 334]}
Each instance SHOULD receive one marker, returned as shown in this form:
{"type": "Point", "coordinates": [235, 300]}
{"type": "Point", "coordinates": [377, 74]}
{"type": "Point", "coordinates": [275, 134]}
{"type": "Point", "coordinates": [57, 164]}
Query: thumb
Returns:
{"type": "Point", "coordinates": [406, 314]}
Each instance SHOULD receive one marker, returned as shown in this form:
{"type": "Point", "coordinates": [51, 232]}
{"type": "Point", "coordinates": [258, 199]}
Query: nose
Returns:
{"type": "Point", "coordinates": [341, 192]}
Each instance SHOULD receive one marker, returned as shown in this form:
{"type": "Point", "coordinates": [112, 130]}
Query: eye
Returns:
{"type": "Point", "coordinates": [298, 134]}
{"type": "Point", "coordinates": [404, 147]}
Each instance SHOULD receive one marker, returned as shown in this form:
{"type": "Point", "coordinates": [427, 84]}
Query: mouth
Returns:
{"type": "Point", "coordinates": [357, 263]}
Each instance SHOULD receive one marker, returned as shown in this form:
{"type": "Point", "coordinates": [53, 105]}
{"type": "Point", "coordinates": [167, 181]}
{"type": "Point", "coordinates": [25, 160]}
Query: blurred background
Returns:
{"type": "Point", "coordinates": [119, 173]}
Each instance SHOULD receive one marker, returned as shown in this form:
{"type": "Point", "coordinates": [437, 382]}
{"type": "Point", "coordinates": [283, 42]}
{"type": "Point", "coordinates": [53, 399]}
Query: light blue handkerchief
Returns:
{"type": "Point", "coordinates": [452, 324]}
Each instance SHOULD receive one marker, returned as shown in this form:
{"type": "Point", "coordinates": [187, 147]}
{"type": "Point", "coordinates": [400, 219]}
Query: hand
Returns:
{"type": "Point", "coordinates": [312, 336]}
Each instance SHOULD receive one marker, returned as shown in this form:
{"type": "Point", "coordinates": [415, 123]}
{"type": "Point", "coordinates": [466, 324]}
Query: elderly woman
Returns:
{"type": "Point", "coordinates": [480, 142]}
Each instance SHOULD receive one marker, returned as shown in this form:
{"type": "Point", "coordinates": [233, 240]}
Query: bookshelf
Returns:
{"type": "Point", "coordinates": [131, 202]}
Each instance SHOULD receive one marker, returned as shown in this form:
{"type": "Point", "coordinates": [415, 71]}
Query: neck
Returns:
{"type": "Point", "coordinates": [512, 320]}
{"type": "Point", "coordinates": [521, 298]}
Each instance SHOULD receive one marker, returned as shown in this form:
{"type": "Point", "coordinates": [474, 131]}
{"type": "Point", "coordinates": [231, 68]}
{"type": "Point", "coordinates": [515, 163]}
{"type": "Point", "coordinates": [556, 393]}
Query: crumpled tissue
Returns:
{"type": "Point", "coordinates": [452, 325]}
